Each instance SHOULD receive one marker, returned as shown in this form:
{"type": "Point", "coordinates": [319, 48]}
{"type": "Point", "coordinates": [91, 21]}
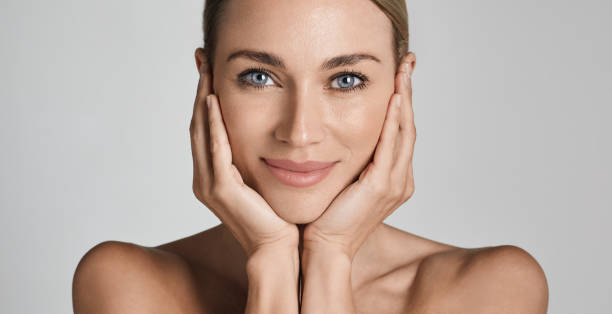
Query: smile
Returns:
{"type": "Point", "coordinates": [299, 178]}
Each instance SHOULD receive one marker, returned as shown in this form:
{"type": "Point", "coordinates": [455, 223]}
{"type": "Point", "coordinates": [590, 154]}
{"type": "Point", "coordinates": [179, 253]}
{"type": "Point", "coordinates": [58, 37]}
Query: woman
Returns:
{"type": "Point", "coordinates": [327, 82]}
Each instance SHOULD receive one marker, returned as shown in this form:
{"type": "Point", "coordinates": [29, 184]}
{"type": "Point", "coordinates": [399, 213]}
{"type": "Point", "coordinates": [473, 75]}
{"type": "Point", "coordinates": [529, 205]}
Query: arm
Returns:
{"type": "Point", "coordinates": [327, 282]}
{"type": "Point", "coordinates": [273, 281]}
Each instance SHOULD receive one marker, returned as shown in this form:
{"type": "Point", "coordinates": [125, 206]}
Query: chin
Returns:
{"type": "Point", "coordinates": [298, 208]}
{"type": "Point", "coordinates": [298, 205]}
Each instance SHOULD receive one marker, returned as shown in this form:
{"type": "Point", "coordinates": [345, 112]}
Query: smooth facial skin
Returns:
{"type": "Point", "coordinates": [303, 112]}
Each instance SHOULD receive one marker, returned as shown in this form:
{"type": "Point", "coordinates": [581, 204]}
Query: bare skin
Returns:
{"type": "Point", "coordinates": [381, 276]}
{"type": "Point", "coordinates": [351, 261]}
{"type": "Point", "coordinates": [393, 272]}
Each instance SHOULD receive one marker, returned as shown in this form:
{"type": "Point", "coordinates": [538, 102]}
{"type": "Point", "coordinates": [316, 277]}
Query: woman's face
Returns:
{"type": "Point", "coordinates": [301, 110]}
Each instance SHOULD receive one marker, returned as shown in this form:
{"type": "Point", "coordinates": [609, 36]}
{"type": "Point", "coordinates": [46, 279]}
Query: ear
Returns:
{"type": "Point", "coordinates": [409, 62]}
{"type": "Point", "coordinates": [204, 66]}
{"type": "Point", "coordinates": [200, 59]}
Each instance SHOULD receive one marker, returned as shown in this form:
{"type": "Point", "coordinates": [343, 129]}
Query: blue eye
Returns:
{"type": "Point", "coordinates": [255, 77]}
{"type": "Point", "coordinates": [259, 78]}
{"type": "Point", "coordinates": [348, 81]}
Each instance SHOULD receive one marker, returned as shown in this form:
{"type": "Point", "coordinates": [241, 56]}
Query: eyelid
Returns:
{"type": "Point", "coordinates": [362, 77]}
{"type": "Point", "coordinates": [349, 72]}
{"type": "Point", "coordinates": [254, 70]}
{"type": "Point", "coordinates": [359, 75]}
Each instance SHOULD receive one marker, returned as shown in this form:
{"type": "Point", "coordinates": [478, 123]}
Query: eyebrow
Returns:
{"type": "Point", "coordinates": [276, 61]}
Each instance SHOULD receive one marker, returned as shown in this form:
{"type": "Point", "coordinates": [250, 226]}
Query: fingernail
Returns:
{"type": "Point", "coordinates": [398, 100]}
{"type": "Point", "coordinates": [208, 101]}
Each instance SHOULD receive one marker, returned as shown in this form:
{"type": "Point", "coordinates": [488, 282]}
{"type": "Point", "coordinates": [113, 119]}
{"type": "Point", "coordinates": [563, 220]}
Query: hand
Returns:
{"type": "Point", "coordinates": [383, 185]}
{"type": "Point", "coordinates": [218, 184]}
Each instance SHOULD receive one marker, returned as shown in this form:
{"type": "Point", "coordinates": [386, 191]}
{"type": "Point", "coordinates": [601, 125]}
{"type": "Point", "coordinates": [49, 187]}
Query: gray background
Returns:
{"type": "Point", "coordinates": [510, 101]}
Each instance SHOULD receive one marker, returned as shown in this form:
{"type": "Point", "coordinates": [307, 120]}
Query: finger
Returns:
{"type": "Point", "coordinates": [205, 73]}
{"type": "Point", "coordinates": [205, 82]}
{"type": "Point", "coordinates": [220, 151]}
{"type": "Point", "coordinates": [403, 86]}
{"type": "Point", "coordinates": [407, 129]}
{"type": "Point", "coordinates": [199, 123]}
{"type": "Point", "coordinates": [384, 154]}
{"type": "Point", "coordinates": [198, 130]}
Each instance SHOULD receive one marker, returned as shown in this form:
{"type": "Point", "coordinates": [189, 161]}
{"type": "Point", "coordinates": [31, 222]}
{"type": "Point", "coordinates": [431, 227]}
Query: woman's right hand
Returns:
{"type": "Point", "coordinates": [217, 183]}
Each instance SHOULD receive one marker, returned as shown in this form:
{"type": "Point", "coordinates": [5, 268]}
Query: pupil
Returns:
{"type": "Point", "coordinates": [259, 78]}
{"type": "Point", "coordinates": [348, 80]}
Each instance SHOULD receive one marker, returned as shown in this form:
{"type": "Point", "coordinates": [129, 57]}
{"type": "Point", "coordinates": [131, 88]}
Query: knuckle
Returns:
{"type": "Point", "coordinates": [197, 189]}
{"type": "Point", "coordinates": [409, 191]}
{"type": "Point", "coordinates": [199, 194]}
{"type": "Point", "coordinates": [219, 193]}
{"type": "Point", "coordinates": [203, 192]}
{"type": "Point", "coordinates": [214, 145]}
{"type": "Point", "coordinates": [379, 189]}
{"type": "Point", "coordinates": [396, 191]}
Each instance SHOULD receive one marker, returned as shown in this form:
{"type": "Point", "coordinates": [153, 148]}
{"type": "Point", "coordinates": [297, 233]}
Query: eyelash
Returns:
{"type": "Point", "coordinates": [364, 79]}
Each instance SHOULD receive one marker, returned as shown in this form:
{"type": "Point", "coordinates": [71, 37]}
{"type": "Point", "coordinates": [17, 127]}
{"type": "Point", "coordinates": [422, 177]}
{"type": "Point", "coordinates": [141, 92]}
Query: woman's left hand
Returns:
{"type": "Point", "coordinates": [383, 185]}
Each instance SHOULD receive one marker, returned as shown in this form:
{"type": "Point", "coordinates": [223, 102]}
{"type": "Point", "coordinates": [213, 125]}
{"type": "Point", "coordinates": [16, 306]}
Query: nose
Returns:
{"type": "Point", "coordinates": [302, 122]}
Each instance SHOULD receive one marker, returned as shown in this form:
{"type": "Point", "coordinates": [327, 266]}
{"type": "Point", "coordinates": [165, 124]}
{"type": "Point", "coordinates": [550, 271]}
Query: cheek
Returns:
{"type": "Point", "coordinates": [244, 124]}
{"type": "Point", "coordinates": [361, 128]}
{"type": "Point", "coordinates": [246, 131]}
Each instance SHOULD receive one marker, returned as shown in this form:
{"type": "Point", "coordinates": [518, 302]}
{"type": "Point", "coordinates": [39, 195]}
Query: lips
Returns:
{"type": "Point", "coordinates": [298, 167]}
{"type": "Point", "coordinates": [298, 174]}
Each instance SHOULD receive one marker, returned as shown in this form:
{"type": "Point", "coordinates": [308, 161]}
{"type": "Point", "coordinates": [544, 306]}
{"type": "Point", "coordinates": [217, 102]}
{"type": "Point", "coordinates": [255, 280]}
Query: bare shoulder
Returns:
{"type": "Point", "coordinates": [499, 279]}
{"type": "Point", "coordinates": [121, 277]}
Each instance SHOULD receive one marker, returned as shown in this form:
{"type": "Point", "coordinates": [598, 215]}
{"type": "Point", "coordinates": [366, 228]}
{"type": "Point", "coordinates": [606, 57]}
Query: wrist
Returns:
{"type": "Point", "coordinates": [327, 258]}
{"type": "Point", "coordinates": [321, 248]}
{"type": "Point", "coordinates": [327, 282]}
{"type": "Point", "coordinates": [268, 259]}
{"type": "Point", "coordinates": [318, 242]}
{"type": "Point", "coordinates": [272, 274]}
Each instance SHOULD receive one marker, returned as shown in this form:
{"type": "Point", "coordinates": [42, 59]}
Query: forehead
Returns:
{"type": "Point", "coordinates": [305, 32]}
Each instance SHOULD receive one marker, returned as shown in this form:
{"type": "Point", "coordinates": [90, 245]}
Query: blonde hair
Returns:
{"type": "Point", "coordinates": [394, 9]}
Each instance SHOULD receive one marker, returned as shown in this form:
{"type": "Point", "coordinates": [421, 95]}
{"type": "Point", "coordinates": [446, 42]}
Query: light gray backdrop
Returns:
{"type": "Point", "coordinates": [511, 102]}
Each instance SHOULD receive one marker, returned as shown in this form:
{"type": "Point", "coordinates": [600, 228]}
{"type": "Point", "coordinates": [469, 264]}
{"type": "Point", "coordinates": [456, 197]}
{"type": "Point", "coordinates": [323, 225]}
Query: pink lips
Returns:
{"type": "Point", "coordinates": [299, 174]}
